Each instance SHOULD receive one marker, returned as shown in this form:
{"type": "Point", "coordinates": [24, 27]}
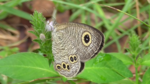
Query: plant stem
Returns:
{"type": "Point", "coordinates": [136, 71]}
{"type": "Point", "coordinates": [149, 27]}
{"type": "Point", "coordinates": [136, 74]}
{"type": "Point", "coordinates": [138, 16]}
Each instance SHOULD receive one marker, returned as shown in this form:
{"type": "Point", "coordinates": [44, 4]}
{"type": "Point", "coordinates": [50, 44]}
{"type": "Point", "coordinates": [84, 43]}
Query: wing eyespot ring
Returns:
{"type": "Point", "coordinates": [58, 67]}
{"type": "Point", "coordinates": [64, 65]}
{"type": "Point", "coordinates": [68, 67]}
{"type": "Point", "coordinates": [73, 58]}
{"type": "Point", "coordinates": [86, 38]}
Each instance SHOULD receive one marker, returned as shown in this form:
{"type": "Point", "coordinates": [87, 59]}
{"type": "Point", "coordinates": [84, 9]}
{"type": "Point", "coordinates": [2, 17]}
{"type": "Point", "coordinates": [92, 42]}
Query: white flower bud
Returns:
{"type": "Point", "coordinates": [42, 36]}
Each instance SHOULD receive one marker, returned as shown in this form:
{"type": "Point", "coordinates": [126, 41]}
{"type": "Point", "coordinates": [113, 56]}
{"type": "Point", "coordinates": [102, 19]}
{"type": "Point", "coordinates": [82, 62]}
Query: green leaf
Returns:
{"type": "Point", "coordinates": [146, 77]}
{"type": "Point", "coordinates": [35, 33]}
{"type": "Point", "coordinates": [26, 66]}
{"type": "Point", "coordinates": [37, 40]}
{"type": "Point", "coordinates": [105, 68]}
{"type": "Point", "coordinates": [42, 81]}
{"type": "Point", "coordinates": [124, 58]}
{"type": "Point", "coordinates": [64, 79]}
{"type": "Point", "coordinates": [71, 82]}
{"type": "Point", "coordinates": [146, 60]}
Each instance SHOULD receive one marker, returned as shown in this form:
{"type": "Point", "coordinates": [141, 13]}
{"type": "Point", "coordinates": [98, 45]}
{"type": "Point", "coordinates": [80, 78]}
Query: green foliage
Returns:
{"type": "Point", "coordinates": [103, 68]}
{"type": "Point", "coordinates": [8, 51]}
{"type": "Point", "coordinates": [30, 66]}
{"type": "Point", "coordinates": [39, 23]}
{"type": "Point", "coordinates": [134, 43]}
{"type": "Point", "coordinates": [26, 66]}
{"type": "Point", "coordinates": [135, 51]}
{"type": "Point", "coordinates": [123, 57]}
{"type": "Point", "coordinates": [146, 60]}
{"type": "Point", "coordinates": [146, 77]}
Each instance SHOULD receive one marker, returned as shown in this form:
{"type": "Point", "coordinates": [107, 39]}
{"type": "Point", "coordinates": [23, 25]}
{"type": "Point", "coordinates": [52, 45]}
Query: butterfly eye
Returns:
{"type": "Point", "coordinates": [58, 67]}
{"type": "Point", "coordinates": [86, 38]}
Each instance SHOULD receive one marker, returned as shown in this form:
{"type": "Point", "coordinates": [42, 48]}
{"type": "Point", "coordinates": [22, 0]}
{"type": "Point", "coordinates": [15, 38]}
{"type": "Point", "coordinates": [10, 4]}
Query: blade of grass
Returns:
{"type": "Point", "coordinates": [97, 22]}
{"type": "Point", "coordinates": [10, 3]}
{"type": "Point", "coordinates": [115, 25]}
{"type": "Point", "coordinates": [78, 6]}
{"type": "Point", "coordinates": [6, 26]}
{"type": "Point", "coordinates": [83, 18]}
{"type": "Point", "coordinates": [149, 27]}
{"type": "Point", "coordinates": [107, 24]}
{"type": "Point", "coordinates": [79, 11]}
{"type": "Point", "coordinates": [145, 8]}
{"type": "Point", "coordinates": [89, 18]}
{"type": "Point", "coordinates": [113, 4]}
{"type": "Point", "coordinates": [75, 15]}
{"type": "Point", "coordinates": [101, 12]}
{"type": "Point", "coordinates": [3, 15]}
{"type": "Point", "coordinates": [146, 42]}
{"type": "Point", "coordinates": [126, 33]}
{"type": "Point", "coordinates": [16, 12]}
{"type": "Point", "coordinates": [4, 0]}
{"type": "Point", "coordinates": [117, 42]}
{"type": "Point", "coordinates": [133, 16]}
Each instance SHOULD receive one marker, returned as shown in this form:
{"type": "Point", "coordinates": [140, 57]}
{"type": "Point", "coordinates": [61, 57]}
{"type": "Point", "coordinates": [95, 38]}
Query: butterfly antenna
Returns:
{"type": "Point", "coordinates": [54, 16]}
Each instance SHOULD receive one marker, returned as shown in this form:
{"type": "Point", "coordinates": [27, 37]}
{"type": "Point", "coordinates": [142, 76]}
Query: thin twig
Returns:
{"type": "Point", "coordinates": [138, 16]}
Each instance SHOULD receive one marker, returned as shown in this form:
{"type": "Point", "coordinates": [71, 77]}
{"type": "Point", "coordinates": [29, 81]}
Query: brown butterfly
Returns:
{"type": "Point", "coordinates": [74, 44]}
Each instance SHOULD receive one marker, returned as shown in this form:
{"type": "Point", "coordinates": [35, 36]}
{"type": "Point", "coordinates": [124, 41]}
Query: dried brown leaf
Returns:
{"type": "Point", "coordinates": [46, 7]}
